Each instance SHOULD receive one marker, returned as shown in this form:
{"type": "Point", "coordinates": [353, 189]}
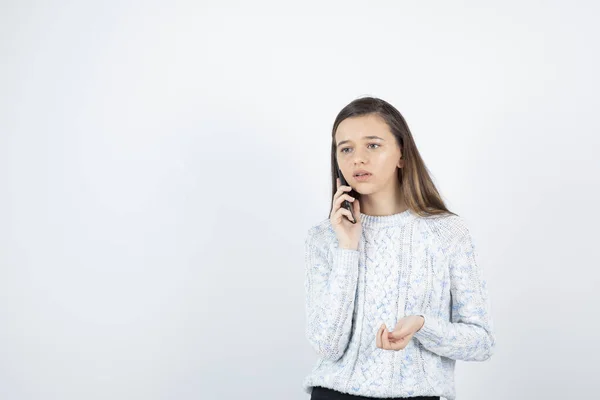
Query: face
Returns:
{"type": "Point", "coordinates": [366, 143]}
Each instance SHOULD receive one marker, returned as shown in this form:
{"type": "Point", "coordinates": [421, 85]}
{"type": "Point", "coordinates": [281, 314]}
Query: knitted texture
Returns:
{"type": "Point", "coordinates": [405, 265]}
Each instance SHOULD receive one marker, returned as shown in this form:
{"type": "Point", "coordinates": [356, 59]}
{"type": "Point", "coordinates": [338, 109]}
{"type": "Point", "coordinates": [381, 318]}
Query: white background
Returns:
{"type": "Point", "coordinates": [160, 164]}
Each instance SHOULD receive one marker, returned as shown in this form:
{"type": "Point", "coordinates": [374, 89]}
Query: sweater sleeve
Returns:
{"type": "Point", "coordinates": [469, 336]}
{"type": "Point", "coordinates": [330, 286]}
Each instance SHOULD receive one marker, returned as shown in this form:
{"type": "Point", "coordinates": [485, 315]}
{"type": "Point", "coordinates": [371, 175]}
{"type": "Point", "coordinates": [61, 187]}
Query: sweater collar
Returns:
{"type": "Point", "coordinates": [383, 221]}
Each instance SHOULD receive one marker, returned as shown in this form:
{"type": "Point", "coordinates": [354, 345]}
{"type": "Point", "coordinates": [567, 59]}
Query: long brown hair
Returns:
{"type": "Point", "coordinates": [418, 189]}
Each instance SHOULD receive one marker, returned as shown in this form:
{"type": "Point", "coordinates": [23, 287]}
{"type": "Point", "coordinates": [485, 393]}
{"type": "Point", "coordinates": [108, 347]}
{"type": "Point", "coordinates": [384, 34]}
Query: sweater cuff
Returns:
{"type": "Point", "coordinates": [343, 258]}
{"type": "Point", "coordinates": [432, 329]}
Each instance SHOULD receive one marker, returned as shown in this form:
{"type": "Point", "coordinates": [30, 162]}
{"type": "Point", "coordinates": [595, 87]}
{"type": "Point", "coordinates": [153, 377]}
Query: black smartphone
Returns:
{"type": "Point", "coordinates": [346, 204]}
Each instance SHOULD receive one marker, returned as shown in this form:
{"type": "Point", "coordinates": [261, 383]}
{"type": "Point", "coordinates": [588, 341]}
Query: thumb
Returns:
{"type": "Point", "coordinates": [400, 333]}
{"type": "Point", "coordinates": [397, 334]}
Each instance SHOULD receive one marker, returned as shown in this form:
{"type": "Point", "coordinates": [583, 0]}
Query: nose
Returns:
{"type": "Point", "coordinates": [358, 157]}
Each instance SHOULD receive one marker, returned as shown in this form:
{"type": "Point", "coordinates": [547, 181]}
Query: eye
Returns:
{"type": "Point", "coordinates": [370, 144]}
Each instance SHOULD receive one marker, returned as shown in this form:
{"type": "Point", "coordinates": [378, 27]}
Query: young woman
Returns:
{"type": "Point", "coordinates": [395, 298]}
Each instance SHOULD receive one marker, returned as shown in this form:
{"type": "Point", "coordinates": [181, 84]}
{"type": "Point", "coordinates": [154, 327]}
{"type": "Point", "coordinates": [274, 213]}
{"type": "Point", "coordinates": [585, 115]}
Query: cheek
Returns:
{"type": "Point", "coordinates": [385, 159]}
{"type": "Point", "coordinates": [384, 166]}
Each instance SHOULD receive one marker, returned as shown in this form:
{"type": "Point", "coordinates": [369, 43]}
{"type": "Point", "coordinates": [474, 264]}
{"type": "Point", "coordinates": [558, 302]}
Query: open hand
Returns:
{"type": "Point", "coordinates": [402, 333]}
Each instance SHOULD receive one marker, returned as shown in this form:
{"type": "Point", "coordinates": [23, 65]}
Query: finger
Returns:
{"type": "Point", "coordinates": [339, 214]}
{"type": "Point", "coordinates": [342, 211]}
{"type": "Point", "coordinates": [336, 203]}
{"type": "Point", "coordinates": [343, 197]}
{"type": "Point", "coordinates": [384, 340]}
{"type": "Point", "coordinates": [401, 343]}
{"type": "Point", "coordinates": [400, 333]}
{"type": "Point", "coordinates": [398, 345]}
{"type": "Point", "coordinates": [401, 330]}
{"type": "Point", "coordinates": [341, 190]}
{"type": "Point", "coordinates": [378, 337]}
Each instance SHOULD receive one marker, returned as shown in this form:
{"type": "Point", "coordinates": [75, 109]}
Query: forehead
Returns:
{"type": "Point", "coordinates": [355, 128]}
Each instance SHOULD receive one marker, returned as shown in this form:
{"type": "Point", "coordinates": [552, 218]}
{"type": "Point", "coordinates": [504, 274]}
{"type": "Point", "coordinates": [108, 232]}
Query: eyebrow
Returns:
{"type": "Point", "coordinates": [364, 137]}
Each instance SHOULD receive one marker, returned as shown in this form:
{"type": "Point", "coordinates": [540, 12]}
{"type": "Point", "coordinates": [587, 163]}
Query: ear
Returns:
{"type": "Point", "coordinates": [400, 162]}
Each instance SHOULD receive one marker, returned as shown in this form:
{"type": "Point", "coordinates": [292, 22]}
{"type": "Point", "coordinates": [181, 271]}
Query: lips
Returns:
{"type": "Point", "coordinates": [361, 172]}
{"type": "Point", "coordinates": [362, 178]}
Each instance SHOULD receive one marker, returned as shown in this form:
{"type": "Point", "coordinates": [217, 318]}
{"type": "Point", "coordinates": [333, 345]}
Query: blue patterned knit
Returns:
{"type": "Point", "coordinates": [405, 265]}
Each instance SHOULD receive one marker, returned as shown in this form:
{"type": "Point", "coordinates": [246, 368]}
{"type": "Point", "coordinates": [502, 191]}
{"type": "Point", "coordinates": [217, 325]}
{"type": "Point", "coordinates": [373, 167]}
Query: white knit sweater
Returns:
{"type": "Point", "coordinates": [405, 265]}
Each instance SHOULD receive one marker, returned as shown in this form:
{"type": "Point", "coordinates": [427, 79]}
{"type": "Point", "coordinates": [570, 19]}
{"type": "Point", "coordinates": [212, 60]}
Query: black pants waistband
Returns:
{"type": "Point", "coordinates": [321, 393]}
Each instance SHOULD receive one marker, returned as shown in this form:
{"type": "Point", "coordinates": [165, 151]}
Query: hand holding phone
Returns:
{"type": "Point", "coordinates": [346, 204]}
{"type": "Point", "coordinates": [346, 222]}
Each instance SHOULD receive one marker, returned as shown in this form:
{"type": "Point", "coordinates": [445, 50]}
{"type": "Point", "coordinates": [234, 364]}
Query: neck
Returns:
{"type": "Point", "coordinates": [385, 202]}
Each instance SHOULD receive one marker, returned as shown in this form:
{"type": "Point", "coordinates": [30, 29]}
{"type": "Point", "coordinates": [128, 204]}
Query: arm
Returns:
{"type": "Point", "coordinates": [469, 335]}
{"type": "Point", "coordinates": [330, 286]}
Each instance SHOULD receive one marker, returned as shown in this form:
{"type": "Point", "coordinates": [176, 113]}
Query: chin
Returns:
{"type": "Point", "coordinates": [366, 188]}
